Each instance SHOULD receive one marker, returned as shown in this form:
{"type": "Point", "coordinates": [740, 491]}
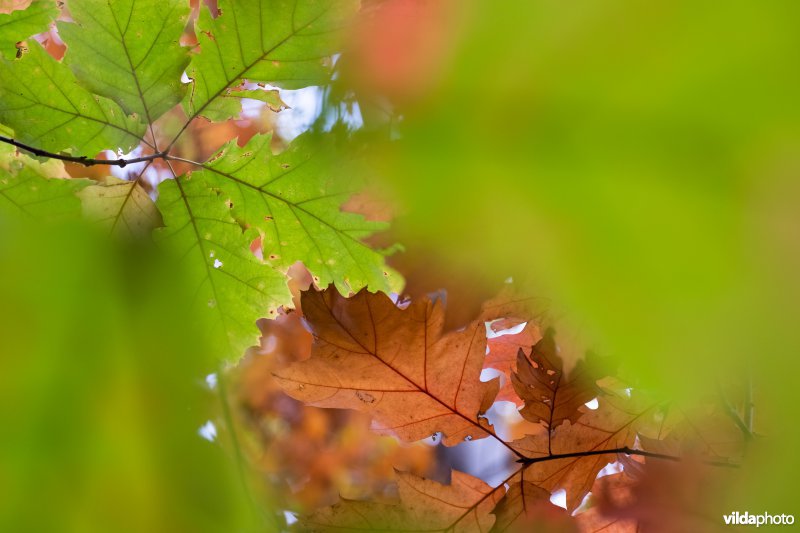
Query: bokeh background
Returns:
{"type": "Point", "coordinates": [634, 164]}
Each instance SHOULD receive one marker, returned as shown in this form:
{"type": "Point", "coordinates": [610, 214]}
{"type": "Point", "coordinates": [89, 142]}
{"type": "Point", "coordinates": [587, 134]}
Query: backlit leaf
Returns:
{"type": "Point", "coordinates": [424, 505]}
{"type": "Point", "coordinates": [37, 190]}
{"type": "Point", "coordinates": [526, 507]}
{"type": "Point", "coordinates": [41, 100]}
{"type": "Point", "coordinates": [122, 206]}
{"type": "Point", "coordinates": [233, 287]}
{"type": "Point", "coordinates": [294, 200]}
{"type": "Point", "coordinates": [283, 42]}
{"type": "Point", "coordinates": [23, 23]}
{"type": "Point", "coordinates": [395, 364]}
{"type": "Point", "coordinates": [551, 395]}
{"type": "Point", "coordinates": [129, 51]}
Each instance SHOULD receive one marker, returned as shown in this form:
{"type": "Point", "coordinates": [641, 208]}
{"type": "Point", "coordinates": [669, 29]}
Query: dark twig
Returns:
{"type": "Point", "coordinates": [82, 160]}
{"type": "Point", "coordinates": [625, 449]}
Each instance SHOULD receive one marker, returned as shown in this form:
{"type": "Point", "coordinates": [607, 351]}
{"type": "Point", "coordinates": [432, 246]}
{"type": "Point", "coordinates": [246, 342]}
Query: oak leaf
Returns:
{"type": "Point", "coordinates": [503, 350]}
{"type": "Point", "coordinates": [424, 505]}
{"type": "Point", "coordinates": [615, 424]}
{"type": "Point", "coordinates": [395, 364]}
{"type": "Point", "coordinates": [526, 507]}
{"type": "Point", "coordinates": [551, 395]}
{"type": "Point", "coordinates": [609, 493]}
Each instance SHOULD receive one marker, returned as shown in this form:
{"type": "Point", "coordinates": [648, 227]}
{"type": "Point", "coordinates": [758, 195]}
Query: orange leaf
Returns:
{"type": "Point", "coordinates": [395, 364]}
{"type": "Point", "coordinates": [615, 424]}
{"type": "Point", "coordinates": [526, 507]}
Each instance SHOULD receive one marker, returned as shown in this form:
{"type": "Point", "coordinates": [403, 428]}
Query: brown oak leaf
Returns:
{"type": "Point", "coordinates": [551, 395]}
{"type": "Point", "coordinates": [526, 507]}
{"type": "Point", "coordinates": [464, 505]}
{"type": "Point", "coordinates": [395, 364]}
{"type": "Point", "coordinates": [503, 350]}
{"type": "Point", "coordinates": [615, 424]}
{"type": "Point", "coordinates": [609, 494]}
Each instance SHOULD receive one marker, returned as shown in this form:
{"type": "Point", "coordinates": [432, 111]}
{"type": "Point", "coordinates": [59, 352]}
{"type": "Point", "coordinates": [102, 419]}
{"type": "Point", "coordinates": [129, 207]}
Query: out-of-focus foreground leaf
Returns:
{"type": "Point", "coordinates": [639, 162]}
{"type": "Point", "coordinates": [424, 505]}
{"type": "Point", "coordinates": [101, 391]}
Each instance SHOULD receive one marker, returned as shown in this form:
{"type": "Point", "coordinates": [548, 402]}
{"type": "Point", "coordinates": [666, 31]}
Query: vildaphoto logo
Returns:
{"type": "Point", "coordinates": [763, 519]}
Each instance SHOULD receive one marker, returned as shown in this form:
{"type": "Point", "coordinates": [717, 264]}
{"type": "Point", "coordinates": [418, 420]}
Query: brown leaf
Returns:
{"type": "Point", "coordinates": [661, 498]}
{"type": "Point", "coordinates": [609, 494]}
{"type": "Point", "coordinates": [424, 505]}
{"type": "Point", "coordinates": [526, 507]}
{"type": "Point", "coordinates": [551, 396]}
{"type": "Point", "coordinates": [395, 364]}
{"type": "Point", "coordinates": [615, 424]}
{"type": "Point", "coordinates": [503, 352]}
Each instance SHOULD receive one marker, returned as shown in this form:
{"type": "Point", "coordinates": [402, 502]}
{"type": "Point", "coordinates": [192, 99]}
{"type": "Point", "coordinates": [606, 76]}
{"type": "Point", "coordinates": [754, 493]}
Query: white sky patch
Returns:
{"type": "Point", "coordinates": [218, 263]}
{"type": "Point", "coordinates": [305, 106]}
{"type": "Point", "coordinates": [290, 517]}
{"type": "Point", "coordinates": [211, 381]}
{"type": "Point", "coordinates": [503, 415]}
{"type": "Point", "coordinates": [610, 469]}
{"type": "Point", "coordinates": [133, 168]}
{"type": "Point", "coordinates": [488, 374]}
{"type": "Point", "coordinates": [491, 334]}
{"type": "Point", "coordinates": [592, 404]}
{"type": "Point", "coordinates": [208, 431]}
{"type": "Point", "coordinates": [559, 498]}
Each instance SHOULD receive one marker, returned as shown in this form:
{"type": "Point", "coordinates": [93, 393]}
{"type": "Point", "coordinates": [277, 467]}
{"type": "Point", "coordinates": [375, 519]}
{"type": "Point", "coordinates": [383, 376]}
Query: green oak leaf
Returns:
{"type": "Point", "coordinates": [286, 43]}
{"type": "Point", "coordinates": [129, 51]}
{"type": "Point", "coordinates": [229, 103]}
{"type": "Point", "coordinates": [37, 190]}
{"type": "Point", "coordinates": [123, 207]}
{"type": "Point", "coordinates": [233, 287]}
{"type": "Point", "coordinates": [23, 23]}
{"type": "Point", "coordinates": [294, 199]}
{"type": "Point", "coordinates": [43, 103]}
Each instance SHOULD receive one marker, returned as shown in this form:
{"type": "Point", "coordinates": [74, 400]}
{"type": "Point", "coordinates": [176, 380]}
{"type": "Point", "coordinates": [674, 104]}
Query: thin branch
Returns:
{"type": "Point", "coordinates": [749, 406]}
{"type": "Point", "coordinates": [743, 425]}
{"type": "Point", "coordinates": [625, 449]}
{"type": "Point", "coordinates": [82, 160]}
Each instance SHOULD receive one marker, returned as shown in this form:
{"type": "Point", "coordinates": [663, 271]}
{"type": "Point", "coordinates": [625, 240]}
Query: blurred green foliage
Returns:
{"type": "Point", "coordinates": [638, 162]}
{"type": "Point", "coordinates": [102, 393]}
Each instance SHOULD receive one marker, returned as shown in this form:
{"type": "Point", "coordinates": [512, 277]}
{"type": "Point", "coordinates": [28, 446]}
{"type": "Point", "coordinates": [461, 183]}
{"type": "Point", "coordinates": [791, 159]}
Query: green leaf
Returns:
{"type": "Point", "coordinates": [129, 51]}
{"type": "Point", "coordinates": [229, 103]}
{"type": "Point", "coordinates": [123, 207]}
{"type": "Point", "coordinates": [36, 190]}
{"type": "Point", "coordinates": [41, 100]}
{"type": "Point", "coordinates": [294, 200]}
{"type": "Point", "coordinates": [23, 23]}
{"type": "Point", "coordinates": [283, 42]}
{"type": "Point", "coordinates": [233, 287]}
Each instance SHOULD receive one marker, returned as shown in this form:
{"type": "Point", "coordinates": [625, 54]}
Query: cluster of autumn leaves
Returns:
{"type": "Point", "coordinates": [391, 361]}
